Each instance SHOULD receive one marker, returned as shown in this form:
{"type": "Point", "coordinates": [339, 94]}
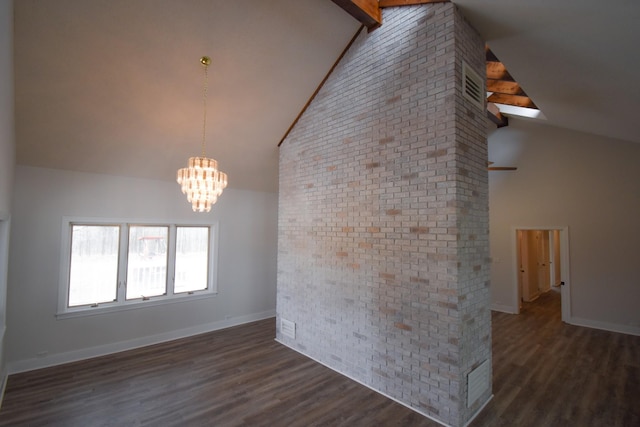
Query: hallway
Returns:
{"type": "Point", "coordinates": [548, 373]}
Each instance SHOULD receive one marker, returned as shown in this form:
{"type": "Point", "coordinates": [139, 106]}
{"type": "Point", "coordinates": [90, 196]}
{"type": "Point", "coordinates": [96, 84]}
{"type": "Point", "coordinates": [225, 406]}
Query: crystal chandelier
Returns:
{"type": "Point", "coordinates": [202, 181]}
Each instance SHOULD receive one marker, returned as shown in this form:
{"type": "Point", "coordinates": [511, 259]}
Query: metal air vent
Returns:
{"type": "Point", "coordinates": [472, 86]}
{"type": "Point", "coordinates": [478, 381]}
{"type": "Point", "coordinates": [288, 328]}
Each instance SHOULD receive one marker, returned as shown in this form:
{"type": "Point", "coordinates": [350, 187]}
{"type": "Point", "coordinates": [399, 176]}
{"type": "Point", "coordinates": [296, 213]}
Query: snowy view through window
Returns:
{"type": "Point", "coordinates": [93, 277]}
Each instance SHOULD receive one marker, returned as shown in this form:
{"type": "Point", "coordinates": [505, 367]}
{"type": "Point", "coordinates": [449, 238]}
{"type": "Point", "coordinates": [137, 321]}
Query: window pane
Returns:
{"type": "Point", "coordinates": [192, 259]}
{"type": "Point", "coordinates": [147, 261]}
{"type": "Point", "coordinates": [93, 275]}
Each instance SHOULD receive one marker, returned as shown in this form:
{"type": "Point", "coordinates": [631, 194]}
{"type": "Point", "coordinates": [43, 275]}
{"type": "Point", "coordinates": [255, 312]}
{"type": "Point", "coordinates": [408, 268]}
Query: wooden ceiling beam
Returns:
{"type": "Point", "coordinates": [516, 100]}
{"type": "Point", "coordinates": [394, 3]}
{"type": "Point", "coordinates": [494, 114]}
{"type": "Point", "coordinates": [369, 13]}
{"type": "Point", "coordinates": [502, 168]}
{"type": "Point", "coordinates": [497, 71]}
{"type": "Point", "coordinates": [503, 86]}
{"type": "Point", "coordinates": [366, 11]}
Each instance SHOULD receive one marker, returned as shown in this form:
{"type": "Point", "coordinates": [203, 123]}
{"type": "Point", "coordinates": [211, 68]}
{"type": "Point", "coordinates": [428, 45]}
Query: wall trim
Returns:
{"type": "Point", "coordinates": [605, 326]}
{"type": "Point", "coordinates": [480, 409]}
{"type": "Point", "coordinates": [503, 308]}
{"type": "Point", "coordinates": [3, 387]}
{"type": "Point", "coordinates": [103, 350]}
{"type": "Point", "coordinates": [324, 80]}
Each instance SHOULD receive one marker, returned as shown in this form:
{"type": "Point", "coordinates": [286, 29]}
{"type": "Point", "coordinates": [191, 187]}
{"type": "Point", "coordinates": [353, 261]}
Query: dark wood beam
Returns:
{"type": "Point", "coordinates": [394, 3]}
{"type": "Point", "coordinates": [502, 168]}
{"type": "Point", "coordinates": [494, 114]}
{"type": "Point", "coordinates": [366, 11]}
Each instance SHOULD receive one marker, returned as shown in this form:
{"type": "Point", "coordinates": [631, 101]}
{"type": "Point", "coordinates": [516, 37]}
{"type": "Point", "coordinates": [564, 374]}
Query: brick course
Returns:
{"type": "Point", "coordinates": [383, 216]}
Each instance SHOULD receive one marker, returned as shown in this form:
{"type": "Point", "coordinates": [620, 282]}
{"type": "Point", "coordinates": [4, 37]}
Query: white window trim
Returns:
{"type": "Point", "coordinates": [65, 312]}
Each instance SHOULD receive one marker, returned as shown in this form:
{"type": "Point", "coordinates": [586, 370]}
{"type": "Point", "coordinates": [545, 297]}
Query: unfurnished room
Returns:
{"type": "Point", "coordinates": [319, 213]}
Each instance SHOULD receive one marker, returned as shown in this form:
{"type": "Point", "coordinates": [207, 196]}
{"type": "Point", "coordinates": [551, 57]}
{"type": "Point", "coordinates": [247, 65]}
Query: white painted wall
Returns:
{"type": "Point", "coordinates": [246, 279]}
{"type": "Point", "coordinates": [590, 184]}
{"type": "Point", "coordinates": [7, 156]}
{"type": "Point", "coordinates": [7, 130]}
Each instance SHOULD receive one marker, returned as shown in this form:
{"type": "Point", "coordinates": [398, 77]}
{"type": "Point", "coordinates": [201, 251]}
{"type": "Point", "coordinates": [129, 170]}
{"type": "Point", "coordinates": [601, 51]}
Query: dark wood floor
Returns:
{"type": "Point", "coordinates": [546, 373]}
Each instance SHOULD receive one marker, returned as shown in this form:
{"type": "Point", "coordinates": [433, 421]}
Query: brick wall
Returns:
{"type": "Point", "coordinates": [383, 218]}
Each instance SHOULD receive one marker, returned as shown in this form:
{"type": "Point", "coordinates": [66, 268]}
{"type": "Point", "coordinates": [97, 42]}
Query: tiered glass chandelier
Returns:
{"type": "Point", "coordinates": [202, 181]}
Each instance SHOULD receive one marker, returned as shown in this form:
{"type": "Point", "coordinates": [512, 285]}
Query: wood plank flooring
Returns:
{"type": "Point", "coordinates": [546, 373]}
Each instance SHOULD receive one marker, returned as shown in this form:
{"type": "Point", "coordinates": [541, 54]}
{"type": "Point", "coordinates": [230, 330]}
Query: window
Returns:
{"type": "Point", "coordinates": [93, 276]}
{"type": "Point", "coordinates": [192, 251]}
{"type": "Point", "coordinates": [147, 262]}
{"type": "Point", "coordinates": [111, 266]}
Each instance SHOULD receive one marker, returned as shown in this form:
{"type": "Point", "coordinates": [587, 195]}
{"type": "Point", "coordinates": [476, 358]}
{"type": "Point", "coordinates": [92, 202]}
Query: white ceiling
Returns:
{"type": "Point", "coordinates": [578, 60]}
{"type": "Point", "coordinates": [115, 86]}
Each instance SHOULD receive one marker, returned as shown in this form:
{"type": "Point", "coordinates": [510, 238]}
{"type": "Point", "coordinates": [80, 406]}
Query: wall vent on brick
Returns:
{"type": "Point", "coordinates": [472, 86]}
{"type": "Point", "coordinates": [288, 328]}
{"type": "Point", "coordinates": [478, 382]}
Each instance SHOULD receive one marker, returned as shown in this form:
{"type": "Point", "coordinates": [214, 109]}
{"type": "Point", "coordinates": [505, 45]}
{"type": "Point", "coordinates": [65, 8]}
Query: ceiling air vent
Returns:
{"type": "Point", "coordinates": [472, 86]}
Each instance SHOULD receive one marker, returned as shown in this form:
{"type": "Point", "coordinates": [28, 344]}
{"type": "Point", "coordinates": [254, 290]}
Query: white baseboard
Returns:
{"type": "Point", "coordinates": [368, 386]}
{"type": "Point", "coordinates": [503, 308]}
{"type": "Point", "coordinates": [605, 326]}
{"type": "Point", "coordinates": [478, 411]}
{"type": "Point", "coordinates": [102, 350]}
{"type": "Point", "coordinates": [5, 377]}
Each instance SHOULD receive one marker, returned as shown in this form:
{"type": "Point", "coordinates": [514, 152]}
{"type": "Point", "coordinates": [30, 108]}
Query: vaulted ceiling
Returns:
{"type": "Point", "coordinates": [115, 86]}
{"type": "Point", "coordinates": [577, 59]}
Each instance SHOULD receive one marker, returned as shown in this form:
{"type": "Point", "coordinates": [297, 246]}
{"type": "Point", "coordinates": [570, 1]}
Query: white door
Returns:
{"type": "Point", "coordinates": [544, 269]}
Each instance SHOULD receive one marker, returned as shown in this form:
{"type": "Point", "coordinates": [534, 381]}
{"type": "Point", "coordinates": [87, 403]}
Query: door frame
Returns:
{"type": "Point", "coordinates": [5, 225]}
{"type": "Point", "coordinates": [565, 269]}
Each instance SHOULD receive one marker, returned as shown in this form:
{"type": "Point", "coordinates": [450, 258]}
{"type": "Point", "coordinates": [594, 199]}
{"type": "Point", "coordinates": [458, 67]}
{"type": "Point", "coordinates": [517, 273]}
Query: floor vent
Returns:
{"type": "Point", "coordinates": [472, 86]}
{"type": "Point", "coordinates": [478, 382]}
{"type": "Point", "coordinates": [288, 328]}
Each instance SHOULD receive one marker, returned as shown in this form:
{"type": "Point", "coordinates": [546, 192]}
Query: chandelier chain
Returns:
{"type": "Point", "coordinates": [204, 104]}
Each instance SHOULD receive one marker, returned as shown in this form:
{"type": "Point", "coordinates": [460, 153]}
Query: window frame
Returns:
{"type": "Point", "coordinates": [121, 303]}
{"type": "Point", "coordinates": [169, 267]}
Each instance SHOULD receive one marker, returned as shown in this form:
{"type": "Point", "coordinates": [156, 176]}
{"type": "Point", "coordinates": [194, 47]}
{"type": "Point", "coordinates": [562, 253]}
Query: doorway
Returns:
{"type": "Point", "coordinates": [542, 265]}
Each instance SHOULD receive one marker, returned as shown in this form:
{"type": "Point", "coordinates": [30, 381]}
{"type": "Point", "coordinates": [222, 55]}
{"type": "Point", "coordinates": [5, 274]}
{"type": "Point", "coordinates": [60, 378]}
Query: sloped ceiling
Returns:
{"type": "Point", "coordinates": [578, 60]}
{"type": "Point", "coordinates": [115, 86]}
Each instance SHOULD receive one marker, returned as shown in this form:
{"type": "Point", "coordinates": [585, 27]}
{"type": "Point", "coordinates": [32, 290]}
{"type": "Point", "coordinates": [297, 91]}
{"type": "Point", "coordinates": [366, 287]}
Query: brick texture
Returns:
{"type": "Point", "coordinates": [383, 216]}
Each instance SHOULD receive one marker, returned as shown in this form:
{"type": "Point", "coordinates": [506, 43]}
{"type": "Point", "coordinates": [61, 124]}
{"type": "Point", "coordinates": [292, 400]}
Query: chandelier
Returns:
{"type": "Point", "coordinates": [202, 181]}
